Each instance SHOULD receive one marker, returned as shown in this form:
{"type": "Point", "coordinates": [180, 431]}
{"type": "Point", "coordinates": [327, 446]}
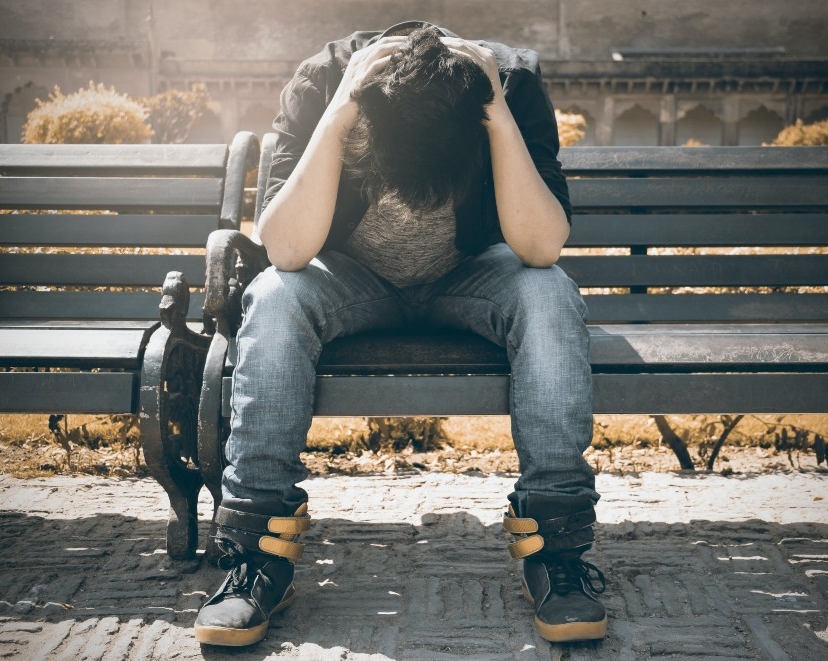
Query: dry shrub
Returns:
{"type": "Point", "coordinates": [803, 135]}
{"type": "Point", "coordinates": [173, 113]}
{"type": "Point", "coordinates": [95, 115]}
{"type": "Point", "coordinates": [571, 128]}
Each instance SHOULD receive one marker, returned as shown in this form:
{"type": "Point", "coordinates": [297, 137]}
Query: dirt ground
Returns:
{"type": "Point", "coordinates": [621, 444]}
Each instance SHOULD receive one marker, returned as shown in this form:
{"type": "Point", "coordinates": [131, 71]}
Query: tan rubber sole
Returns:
{"type": "Point", "coordinates": [569, 632]}
{"type": "Point", "coordinates": [228, 637]}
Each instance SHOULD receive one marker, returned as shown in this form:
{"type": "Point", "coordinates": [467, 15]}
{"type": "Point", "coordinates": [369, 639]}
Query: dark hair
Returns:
{"type": "Point", "coordinates": [420, 130]}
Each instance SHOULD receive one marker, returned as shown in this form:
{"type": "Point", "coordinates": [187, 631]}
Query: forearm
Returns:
{"type": "Point", "coordinates": [294, 226]}
{"type": "Point", "coordinates": [532, 220]}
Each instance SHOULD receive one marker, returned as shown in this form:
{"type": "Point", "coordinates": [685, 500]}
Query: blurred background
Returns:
{"type": "Point", "coordinates": [639, 72]}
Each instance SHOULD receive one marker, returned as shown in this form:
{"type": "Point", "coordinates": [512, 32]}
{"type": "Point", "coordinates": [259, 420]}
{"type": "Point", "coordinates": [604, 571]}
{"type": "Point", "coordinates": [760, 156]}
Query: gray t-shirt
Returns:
{"type": "Point", "coordinates": [404, 246]}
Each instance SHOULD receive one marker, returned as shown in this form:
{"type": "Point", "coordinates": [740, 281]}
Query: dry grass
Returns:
{"type": "Point", "coordinates": [621, 443]}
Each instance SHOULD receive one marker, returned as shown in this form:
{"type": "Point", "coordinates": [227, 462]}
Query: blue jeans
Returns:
{"type": "Point", "coordinates": [536, 314]}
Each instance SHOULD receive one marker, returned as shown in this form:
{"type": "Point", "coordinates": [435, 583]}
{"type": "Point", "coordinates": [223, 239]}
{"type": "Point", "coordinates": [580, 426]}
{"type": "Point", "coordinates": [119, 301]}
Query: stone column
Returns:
{"type": "Point", "coordinates": [605, 122]}
{"type": "Point", "coordinates": [667, 121]}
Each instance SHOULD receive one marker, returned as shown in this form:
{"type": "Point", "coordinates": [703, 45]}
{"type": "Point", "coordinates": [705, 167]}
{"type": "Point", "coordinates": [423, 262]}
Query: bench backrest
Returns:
{"type": "Point", "coordinates": [694, 234]}
{"type": "Point", "coordinates": [90, 231]}
{"type": "Point", "coordinates": [711, 234]}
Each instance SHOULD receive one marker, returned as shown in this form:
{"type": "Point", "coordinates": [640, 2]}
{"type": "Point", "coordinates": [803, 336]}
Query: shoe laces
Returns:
{"type": "Point", "coordinates": [242, 571]}
{"type": "Point", "coordinates": [574, 574]}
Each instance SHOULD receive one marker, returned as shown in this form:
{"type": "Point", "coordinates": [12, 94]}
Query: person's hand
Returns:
{"type": "Point", "coordinates": [364, 63]}
{"type": "Point", "coordinates": [485, 59]}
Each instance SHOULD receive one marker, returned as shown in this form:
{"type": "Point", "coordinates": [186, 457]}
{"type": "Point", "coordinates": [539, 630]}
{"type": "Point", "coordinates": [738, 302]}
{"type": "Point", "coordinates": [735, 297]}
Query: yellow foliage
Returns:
{"type": "Point", "coordinates": [95, 115]}
{"type": "Point", "coordinates": [173, 113]}
{"type": "Point", "coordinates": [571, 128]}
{"type": "Point", "coordinates": [803, 135]}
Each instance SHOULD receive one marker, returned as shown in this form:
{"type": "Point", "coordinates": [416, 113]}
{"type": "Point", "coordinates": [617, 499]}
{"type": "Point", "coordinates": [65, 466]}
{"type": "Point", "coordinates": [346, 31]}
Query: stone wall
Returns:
{"type": "Point", "coordinates": [637, 68]}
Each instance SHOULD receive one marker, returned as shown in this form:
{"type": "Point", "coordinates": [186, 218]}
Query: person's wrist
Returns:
{"type": "Point", "coordinates": [499, 116]}
{"type": "Point", "coordinates": [341, 117]}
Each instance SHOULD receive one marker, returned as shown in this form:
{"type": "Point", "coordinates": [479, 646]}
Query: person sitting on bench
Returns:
{"type": "Point", "coordinates": [415, 182]}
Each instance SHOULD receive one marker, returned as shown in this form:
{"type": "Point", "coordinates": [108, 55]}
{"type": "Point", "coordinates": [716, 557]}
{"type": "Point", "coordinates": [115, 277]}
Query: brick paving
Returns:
{"type": "Point", "coordinates": [415, 567]}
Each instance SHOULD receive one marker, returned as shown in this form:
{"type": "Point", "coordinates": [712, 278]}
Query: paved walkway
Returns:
{"type": "Point", "coordinates": [415, 567]}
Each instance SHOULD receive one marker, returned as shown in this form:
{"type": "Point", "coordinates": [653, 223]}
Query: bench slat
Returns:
{"type": "Point", "coordinates": [73, 347]}
{"type": "Point", "coordinates": [109, 193]}
{"type": "Point", "coordinates": [696, 193]}
{"type": "Point", "coordinates": [710, 160]}
{"type": "Point", "coordinates": [68, 392]}
{"type": "Point", "coordinates": [614, 393]}
{"type": "Point", "coordinates": [59, 305]}
{"type": "Point", "coordinates": [682, 230]}
{"type": "Point", "coordinates": [697, 270]}
{"type": "Point", "coordinates": [99, 270]}
{"type": "Point", "coordinates": [609, 308]}
{"type": "Point", "coordinates": [180, 230]}
{"type": "Point", "coordinates": [110, 160]}
{"type": "Point", "coordinates": [702, 347]}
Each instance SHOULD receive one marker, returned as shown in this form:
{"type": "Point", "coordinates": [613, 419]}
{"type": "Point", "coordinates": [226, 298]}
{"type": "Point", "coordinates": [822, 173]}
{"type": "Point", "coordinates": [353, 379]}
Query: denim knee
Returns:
{"type": "Point", "coordinates": [543, 293]}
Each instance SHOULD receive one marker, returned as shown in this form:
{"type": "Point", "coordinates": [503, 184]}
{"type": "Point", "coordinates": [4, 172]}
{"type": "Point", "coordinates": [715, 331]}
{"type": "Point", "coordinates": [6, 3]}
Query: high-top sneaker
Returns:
{"type": "Point", "coordinates": [260, 550]}
{"type": "Point", "coordinates": [550, 535]}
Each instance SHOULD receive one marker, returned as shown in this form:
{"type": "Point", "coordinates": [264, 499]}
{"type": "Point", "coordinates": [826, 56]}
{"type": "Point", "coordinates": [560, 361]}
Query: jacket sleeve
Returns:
{"type": "Point", "coordinates": [302, 106]}
{"type": "Point", "coordinates": [535, 117]}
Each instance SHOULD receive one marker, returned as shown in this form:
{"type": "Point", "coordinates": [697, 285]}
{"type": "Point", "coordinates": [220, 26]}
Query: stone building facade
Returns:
{"type": "Point", "coordinates": [643, 72]}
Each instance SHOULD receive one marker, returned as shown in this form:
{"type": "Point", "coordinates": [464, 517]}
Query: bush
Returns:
{"type": "Point", "coordinates": [173, 113]}
{"type": "Point", "coordinates": [571, 128]}
{"type": "Point", "coordinates": [803, 135]}
{"type": "Point", "coordinates": [95, 115]}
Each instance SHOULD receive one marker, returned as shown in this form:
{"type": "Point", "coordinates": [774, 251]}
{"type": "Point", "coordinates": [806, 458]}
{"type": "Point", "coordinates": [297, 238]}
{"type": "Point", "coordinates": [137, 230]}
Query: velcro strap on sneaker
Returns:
{"type": "Point", "coordinates": [255, 531]}
{"type": "Point", "coordinates": [284, 548]}
{"type": "Point", "coordinates": [519, 526]}
{"type": "Point", "coordinates": [525, 546]}
{"type": "Point", "coordinates": [261, 523]}
{"type": "Point", "coordinates": [549, 535]}
{"type": "Point", "coordinates": [566, 524]}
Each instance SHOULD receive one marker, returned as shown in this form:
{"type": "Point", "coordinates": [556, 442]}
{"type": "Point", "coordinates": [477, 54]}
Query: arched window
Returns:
{"type": "Point", "coordinates": [635, 127]}
{"type": "Point", "coordinates": [699, 126]}
{"type": "Point", "coordinates": [16, 106]}
{"type": "Point", "coordinates": [758, 126]}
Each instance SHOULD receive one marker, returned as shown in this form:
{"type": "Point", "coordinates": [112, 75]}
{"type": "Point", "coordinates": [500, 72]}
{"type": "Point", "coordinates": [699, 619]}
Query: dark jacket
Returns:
{"type": "Point", "coordinates": [305, 98]}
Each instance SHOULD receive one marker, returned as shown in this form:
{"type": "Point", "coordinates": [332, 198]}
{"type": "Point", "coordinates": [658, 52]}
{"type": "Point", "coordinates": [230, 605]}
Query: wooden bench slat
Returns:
{"type": "Point", "coordinates": [73, 347]}
{"type": "Point", "coordinates": [709, 160]}
{"type": "Point", "coordinates": [99, 270]}
{"type": "Point", "coordinates": [181, 230]}
{"type": "Point", "coordinates": [695, 193]}
{"type": "Point", "coordinates": [67, 305]}
{"type": "Point", "coordinates": [655, 347]}
{"type": "Point", "coordinates": [68, 392]}
{"type": "Point", "coordinates": [710, 393]}
{"type": "Point", "coordinates": [609, 308]}
{"type": "Point", "coordinates": [697, 270]}
{"type": "Point", "coordinates": [613, 393]}
{"type": "Point", "coordinates": [696, 230]}
{"type": "Point", "coordinates": [106, 160]}
{"type": "Point", "coordinates": [112, 193]}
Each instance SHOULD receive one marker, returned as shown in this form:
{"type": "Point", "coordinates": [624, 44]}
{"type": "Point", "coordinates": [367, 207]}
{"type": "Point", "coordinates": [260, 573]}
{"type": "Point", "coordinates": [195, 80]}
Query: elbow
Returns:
{"type": "Point", "coordinates": [286, 261]}
{"type": "Point", "coordinates": [541, 257]}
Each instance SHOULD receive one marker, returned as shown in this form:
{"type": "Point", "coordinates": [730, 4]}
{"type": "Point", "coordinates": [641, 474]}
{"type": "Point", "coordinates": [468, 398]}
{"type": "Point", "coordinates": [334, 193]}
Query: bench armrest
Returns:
{"type": "Point", "coordinates": [233, 260]}
{"type": "Point", "coordinates": [242, 157]}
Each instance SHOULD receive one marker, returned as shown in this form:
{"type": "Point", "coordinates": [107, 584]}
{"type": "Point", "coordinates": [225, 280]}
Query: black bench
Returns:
{"type": "Point", "coordinates": [80, 329]}
{"type": "Point", "coordinates": [728, 331]}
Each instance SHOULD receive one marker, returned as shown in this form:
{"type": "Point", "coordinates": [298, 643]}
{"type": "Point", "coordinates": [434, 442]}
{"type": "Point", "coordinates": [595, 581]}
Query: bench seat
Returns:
{"type": "Point", "coordinates": [472, 374]}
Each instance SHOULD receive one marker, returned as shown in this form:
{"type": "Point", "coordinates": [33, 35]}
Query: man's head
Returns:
{"type": "Point", "coordinates": [420, 130]}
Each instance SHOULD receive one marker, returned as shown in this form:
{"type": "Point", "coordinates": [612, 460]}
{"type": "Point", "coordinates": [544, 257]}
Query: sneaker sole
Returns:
{"type": "Point", "coordinates": [569, 632]}
{"type": "Point", "coordinates": [230, 637]}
